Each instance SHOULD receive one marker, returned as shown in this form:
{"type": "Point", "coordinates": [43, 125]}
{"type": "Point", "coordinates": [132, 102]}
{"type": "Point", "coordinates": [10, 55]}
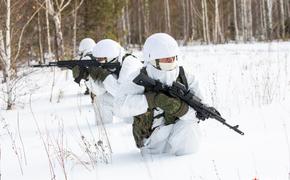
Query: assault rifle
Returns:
{"type": "Point", "coordinates": [83, 64]}
{"type": "Point", "coordinates": [179, 90]}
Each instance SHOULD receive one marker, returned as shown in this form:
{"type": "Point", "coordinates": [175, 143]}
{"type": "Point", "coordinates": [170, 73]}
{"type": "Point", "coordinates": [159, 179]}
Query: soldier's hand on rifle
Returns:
{"type": "Point", "coordinates": [76, 71]}
{"type": "Point", "coordinates": [170, 105]}
{"type": "Point", "coordinates": [98, 73]}
{"type": "Point", "coordinates": [79, 73]}
{"type": "Point", "coordinates": [203, 115]}
{"type": "Point", "coordinates": [158, 86]}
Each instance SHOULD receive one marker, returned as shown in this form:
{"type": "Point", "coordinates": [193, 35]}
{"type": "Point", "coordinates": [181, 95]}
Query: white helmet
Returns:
{"type": "Point", "coordinates": [86, 46]}
{"type": "Point", "coordinates": [159, 45]}
{"type": "Point", "coordinates": [109, 49]}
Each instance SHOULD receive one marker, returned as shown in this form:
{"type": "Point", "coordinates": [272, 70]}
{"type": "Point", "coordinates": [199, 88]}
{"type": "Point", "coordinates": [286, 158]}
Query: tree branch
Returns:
{"type": "Point", "coordinates": [64, 6]}
{"type": "Point", "coordinates": [22, 31]}
{"type": "Point", "coordinates": [74, 10]}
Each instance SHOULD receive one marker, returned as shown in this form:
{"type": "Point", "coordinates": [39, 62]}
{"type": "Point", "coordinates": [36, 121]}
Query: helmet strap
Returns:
{"type": "Point", "coordinates": [113, 60]}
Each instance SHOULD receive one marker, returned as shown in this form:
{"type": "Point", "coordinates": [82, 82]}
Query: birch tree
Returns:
{"type": "Point", "coordinates": [218, 36]}
{"type": "Point", "coordinates": [77, 5]}
{"type": "Point", "coordinates": [269, 18]}
{"type": "Point", "coordinates": [206, 36]}
{"type": "Point", "coordinates": [146, 18]}
{"type": "Point", "coordinates": [167, 16]}
{"type": "Point", "coordinates": [55, 9]}
{"type": "Point", "coordinates": [282, 19]}
{"type": "Point", "coordinates": [236, 20]}
{"type": "Point", "coordinates": [49, 53]}
{"type": "Point", "coordinates": [140, 22]}
{"type": "Point", "coordinates": [185, 10]}
{"type": "Point", "coordinates": [192, 9]}
{"type": "Point", "coordinates": [124, 28]}
{"type": "Point", "coordinates": [264, 20]}
{"type": "Point", "coordinates": [7, 57]}
{"type": "Point", "coordinates": [128, 22]}
{"type": "Point", "coordinates": [40, 46]}
{"type": "Point", "coordinates": [249, 20]}
{"type": "Point", "coordinates": [244, 19]}
{"type": "Point", "coordinates": [5, 52]}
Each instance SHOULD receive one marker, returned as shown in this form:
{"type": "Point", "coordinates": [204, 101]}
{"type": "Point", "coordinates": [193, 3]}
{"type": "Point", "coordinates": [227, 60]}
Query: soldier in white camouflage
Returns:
{"type": "Point", "coordinates": [84, 53]}
{"type": "Point", "coordinates": [162, 124]}
{"type": "Point", "coordinates": [104, 83]}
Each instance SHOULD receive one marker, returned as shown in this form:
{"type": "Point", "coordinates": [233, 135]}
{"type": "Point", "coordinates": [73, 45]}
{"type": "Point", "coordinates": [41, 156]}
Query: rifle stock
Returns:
{"type": "Point", "coordinates": [179, 90]}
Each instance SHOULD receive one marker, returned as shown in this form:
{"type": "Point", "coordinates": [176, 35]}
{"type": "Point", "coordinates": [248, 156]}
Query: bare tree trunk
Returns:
{"type": "Point", "coordinates": [128, 22]}
{"type": "Point", "coordinates": [287, 9]}
{"type": "Point", "coordinates": [275, 17]}
{"type": "Point", "coordinates": [48, 30]}
{"type": "Point", "coordinates": [205, 22]}
{"type": "Point", "coordinates": [249, 20]}
{"type": "Point", "coordinates": [282, 18]}
{"type": "Point", "coordinates": [167, 16]}
{"type": "Point", "coordinates": [75, 16]}
{"type": "Point", "coordinates": [146, 18]}
{"type": "Point", "coordinates": [187, 15]}
{"type": "Point", "coordinates": [261, 26]}
{"type": "Point", "coordinates": [59, 37]}
{"type": "Point", "coordinates": [218, 36]}
{"type": "Point", "coordinates": [265, 24]}
{"type": "Point", "coordinates": [124, 29]}
{"type": "Point", "coordinates": [74, 39]}
{"type": "Point", "coordinates": [3, 56]}
{"type": "Point", "coordinates": [191, 10]}
{"type": "Point", "coordinates": [216, 21]}
{"type": "Point", "coordinates": [41, 59]}
{"type": "Point", "coordinates": [140, 22]}
{"type": "Point", "coordinates": [244, 19]}
{"type": "Point", "coordinates": [269, 19]}
{"type": "Point", "coordinates": [236, 21]}
{"type": "Point", "coordinates": [185, 24]}
{"type": "Point", "coordinates": [8, 68]}
{"type": "Point", "coordinates": [6, 58]}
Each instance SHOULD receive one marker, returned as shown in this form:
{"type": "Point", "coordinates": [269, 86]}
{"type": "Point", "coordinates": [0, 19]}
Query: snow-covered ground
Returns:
{"type": "Point", "coordinates": [248, 83]}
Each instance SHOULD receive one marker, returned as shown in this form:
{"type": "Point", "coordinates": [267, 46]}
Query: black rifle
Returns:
{"type": "Point", "coordinates": [83, 64]}
{"type": "Point", "coordinates": [179, 90]}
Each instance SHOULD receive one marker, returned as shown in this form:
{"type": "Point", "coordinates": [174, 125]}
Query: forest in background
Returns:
{"type": "Point", "coordinates": [49, 30]}
{"type": "Point", "coordinates": [41, 28]}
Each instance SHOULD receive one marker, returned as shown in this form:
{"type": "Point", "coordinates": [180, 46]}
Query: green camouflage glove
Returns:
{"type": "Point", "coordinates": [142, 127]}
{"type": "Point", "coordinates": [98, 73]}
{"type": "Point", "coordinates": [79, 73]}
{"type": "Point", "coordinates": [170, 105]}
{"type": "Point", "coordinates": [169, 119]}
{"type": "Point", "coordinates": [76, 71]}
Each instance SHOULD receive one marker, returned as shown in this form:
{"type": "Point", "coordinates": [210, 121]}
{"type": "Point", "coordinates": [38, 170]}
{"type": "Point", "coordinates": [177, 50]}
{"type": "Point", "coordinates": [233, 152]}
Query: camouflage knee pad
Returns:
{"type": "Point", "coordinates": [142, 127]}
